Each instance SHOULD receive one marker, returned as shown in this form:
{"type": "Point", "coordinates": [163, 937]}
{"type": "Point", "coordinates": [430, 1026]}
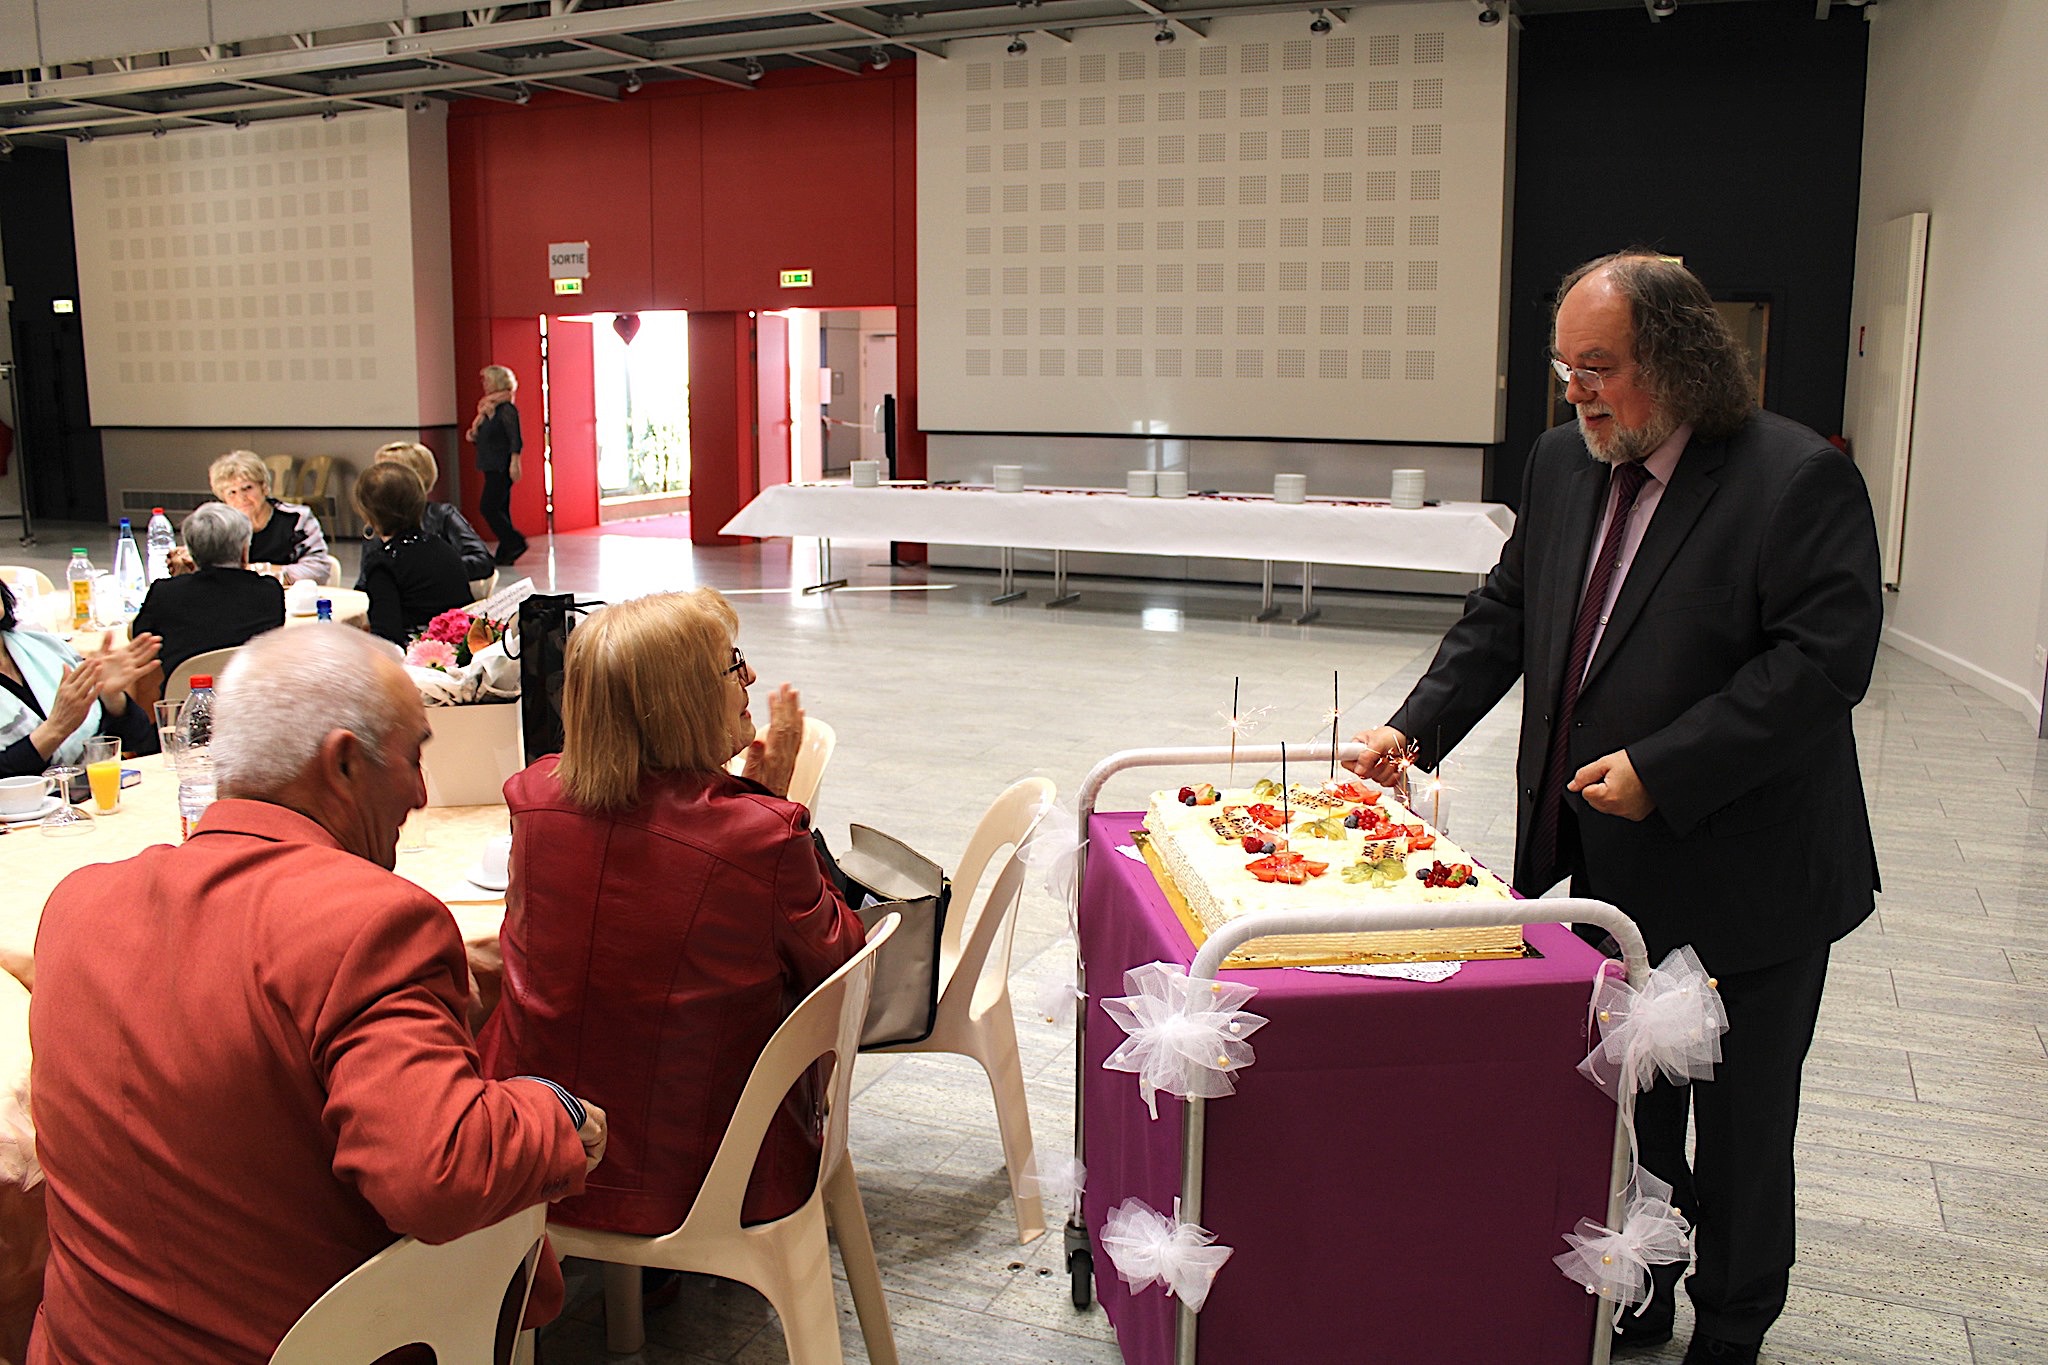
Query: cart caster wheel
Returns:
{"type": "Point", "coordinates": [1081, 1265]}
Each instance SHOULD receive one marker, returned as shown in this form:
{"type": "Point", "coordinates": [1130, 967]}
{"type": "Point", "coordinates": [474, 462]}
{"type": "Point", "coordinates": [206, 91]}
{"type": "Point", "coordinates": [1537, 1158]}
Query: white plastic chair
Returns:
{"type": "Point", "coordinates": [447, 1296]}
{"type": "Point", "coordinates": [213, 663]}
{"type": "Point", "coordinates": [24, 581]}
{"type": "Point", "coordinates": [816, 751]}
{"type": "Point", "coordinates": [974, 1018]}
{"type": "Point", "coordinates": [787, 1260]}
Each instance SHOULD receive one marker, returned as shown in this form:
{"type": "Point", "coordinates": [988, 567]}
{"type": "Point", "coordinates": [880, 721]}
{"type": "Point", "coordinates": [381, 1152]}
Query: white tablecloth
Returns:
{"type": "Point", "coordinates": [1458, 537]}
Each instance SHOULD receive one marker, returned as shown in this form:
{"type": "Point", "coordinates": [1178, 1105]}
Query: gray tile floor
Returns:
{"type": "Point", "coordinates": [1924, 1147]}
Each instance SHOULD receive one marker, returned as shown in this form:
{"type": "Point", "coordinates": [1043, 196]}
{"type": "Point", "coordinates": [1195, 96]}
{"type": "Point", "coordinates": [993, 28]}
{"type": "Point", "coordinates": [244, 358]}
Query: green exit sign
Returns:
{"type": "Point", "coordinates": [796, 279]}
{"type": "Point", "coordinates": [568, 286]}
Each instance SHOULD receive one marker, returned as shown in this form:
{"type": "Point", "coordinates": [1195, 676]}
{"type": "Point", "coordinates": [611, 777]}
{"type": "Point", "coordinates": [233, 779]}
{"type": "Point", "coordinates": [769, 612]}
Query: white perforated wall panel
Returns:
{"type": "Point", "coordinates": [256, 277]}
{"type": "Point", "coordinates": [1261, 233]}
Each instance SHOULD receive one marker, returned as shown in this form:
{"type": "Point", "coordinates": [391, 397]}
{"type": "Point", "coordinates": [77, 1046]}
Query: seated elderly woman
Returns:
{"type": "Point", "coordinates": [442, 520]}
{"type": "Point", "coordinates": [410, 576]}
{"type": "Point", "coordinates": [284, 537]}
{"type": "Point", "coordinates": [664, 916]}
{"type": "Point", "coordinates": [52, 700]}
{"type": "Point", "coordinates": [223, 603]}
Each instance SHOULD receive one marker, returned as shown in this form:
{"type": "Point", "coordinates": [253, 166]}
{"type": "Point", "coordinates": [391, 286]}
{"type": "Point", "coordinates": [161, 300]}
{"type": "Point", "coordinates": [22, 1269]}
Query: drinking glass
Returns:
{"type": "Point", "coordinates": [67, 818]}
{"type": "Point", "coordinates": [103, 772]}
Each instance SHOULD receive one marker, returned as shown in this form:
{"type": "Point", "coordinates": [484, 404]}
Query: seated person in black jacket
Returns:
{"type": "Point", "coordinates": [411, 577]}
{"type": "Point", "coordinates": [222, 602]}
{"type": "Point", "coordinates": [441, 520]}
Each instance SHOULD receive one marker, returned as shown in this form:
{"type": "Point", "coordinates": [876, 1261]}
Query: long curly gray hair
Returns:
{"type": "Point", "coordinates": [1687, 356]}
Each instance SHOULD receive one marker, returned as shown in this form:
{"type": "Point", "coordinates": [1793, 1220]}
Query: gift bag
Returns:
{"type": "Point", "coordinates": [886, 876]}
{"type": "Point", "coordinates": [545, 620]}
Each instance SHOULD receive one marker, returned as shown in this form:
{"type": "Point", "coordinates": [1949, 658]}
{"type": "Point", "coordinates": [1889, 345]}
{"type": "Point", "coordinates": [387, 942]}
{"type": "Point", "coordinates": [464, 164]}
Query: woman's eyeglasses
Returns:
{"type": "Point", "coordinates": [739, 662]}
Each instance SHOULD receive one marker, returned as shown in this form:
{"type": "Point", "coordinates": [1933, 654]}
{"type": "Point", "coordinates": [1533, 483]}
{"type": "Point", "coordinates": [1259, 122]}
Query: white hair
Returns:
{"type": "Point", "coordinates": [285, 692]}
{"type": "Point", "coordinates": [216, 534]}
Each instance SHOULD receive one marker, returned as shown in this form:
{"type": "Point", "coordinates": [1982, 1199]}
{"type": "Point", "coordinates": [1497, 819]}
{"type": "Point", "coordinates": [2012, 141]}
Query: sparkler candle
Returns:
{"type": "Point", "coordinates": [1336, 714]}
{"type": "Point", "coordinates": [1233, 730]}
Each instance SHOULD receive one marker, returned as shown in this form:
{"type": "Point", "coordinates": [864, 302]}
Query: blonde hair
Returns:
{"type": "Point", "coordinates": [497, 377]}
{"type": "Point", "coordinates": [237, 465]}
{"type": "Point", "coordinates": [643, 692]}
{"type": "Point", "coordinates": [415, 457]}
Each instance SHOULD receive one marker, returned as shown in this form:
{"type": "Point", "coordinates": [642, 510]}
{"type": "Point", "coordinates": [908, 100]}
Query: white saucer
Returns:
{"type": "Point", "coordinates": [50, 803]}
{"type": "Point", "coordinates": [476, 876]}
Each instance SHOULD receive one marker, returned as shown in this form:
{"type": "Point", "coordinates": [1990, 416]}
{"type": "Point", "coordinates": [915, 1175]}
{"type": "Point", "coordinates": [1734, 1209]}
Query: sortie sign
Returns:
{"type": "Point", "coordinates": [568, 260]}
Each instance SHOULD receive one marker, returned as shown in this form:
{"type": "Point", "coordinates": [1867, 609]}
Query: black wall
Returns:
{"type": "Point", "coordinates": [56, 438]}
{"type": "Point", "coordinates": [1729, 134]}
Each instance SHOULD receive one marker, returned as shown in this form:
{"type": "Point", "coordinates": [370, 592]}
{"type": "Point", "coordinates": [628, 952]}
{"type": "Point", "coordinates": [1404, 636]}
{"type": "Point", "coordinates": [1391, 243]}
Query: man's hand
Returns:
{"type": "Point", "coordinates": [1610, 786]}
{"type": "Point", "coordinates": [1382, 761]}
{"type": "Point", "coordinates": [592, 1134]}
{"type": "Point", "coordinates": [771, 759]}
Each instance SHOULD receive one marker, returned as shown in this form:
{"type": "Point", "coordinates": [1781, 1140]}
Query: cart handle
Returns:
{"type": "Point", "coordinates": [1091, 786]}
{"type": "Point", "coordinates": [1426, 915]}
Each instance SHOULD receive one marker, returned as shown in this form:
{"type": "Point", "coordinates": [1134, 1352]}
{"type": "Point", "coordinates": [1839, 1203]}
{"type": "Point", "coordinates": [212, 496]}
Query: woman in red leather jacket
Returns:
{"type": "Point", "coordinates": [664, 916]}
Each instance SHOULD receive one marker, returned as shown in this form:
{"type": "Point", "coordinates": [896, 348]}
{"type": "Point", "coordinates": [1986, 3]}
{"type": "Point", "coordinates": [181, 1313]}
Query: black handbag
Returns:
{"type": "Point", "coordinates": [545, 620]}
{"type": "Point", "coordinates": [883, 876]}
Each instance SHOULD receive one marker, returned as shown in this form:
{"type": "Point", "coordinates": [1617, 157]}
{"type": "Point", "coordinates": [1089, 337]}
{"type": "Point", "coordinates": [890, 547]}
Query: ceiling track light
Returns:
{"type": "Point", "coordinates": [1489, 15]}
{"type": "Point", "coordinates": [241, 120]}
{"type": "Point", "coordinates": [6, 148]}
{"type": "Point", "coordinates": [633, 82]}
{"type": "Point", "coordinates": [753, 69]}
{"type": "Point", "coordinates": [878, 58]}
{"type": "Point", "coordinates": [1661, 9]}
{"type": "Point", "coordinates": [329, 114]}
{"type": "Point", "coordinates": [1164, 34]}
{"type": "Point", "coordinates": [159, 131]}
{"type": "Point", "coordinates": [1320, 24]}
{"type": "Point", "coordinates": [1018, 47]}
{"type": "Point", "coordinates": [85, 134]}
{"type": "Point", "coordinates": [520, 94]}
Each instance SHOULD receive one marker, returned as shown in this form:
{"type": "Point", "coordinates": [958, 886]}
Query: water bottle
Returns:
{"type": "Point", "coordinates": [195, 722]}
{"type": "Point", "coordinates": [195, 794]}
{"type": "Point", "coordinates": [323, 609]}
{"type": "Point", "coordinates": [79, 575]}
{"type": "Point", "coordinates": [158, 544]}
{"type": "Point", "coordinates": [129, 579]}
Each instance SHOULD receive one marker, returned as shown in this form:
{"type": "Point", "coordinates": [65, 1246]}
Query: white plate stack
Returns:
{"type": "Point", "coordinates": [1139, 483]}
{"type": "Point", "coordinates": [1408, 488]}
{"type": "Point", "coordinates": [1173, 483]}
{"type": "Point", "coordinates": [1009, 478]}
{"type": "Point", "coordinates": [1290, 488]}
{"type": "Point", "coordinates": [867, 473]}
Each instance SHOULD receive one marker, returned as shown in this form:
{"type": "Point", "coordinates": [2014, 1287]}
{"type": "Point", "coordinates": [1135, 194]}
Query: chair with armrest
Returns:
{"type": "Point", "coordinates": [449, 1297]}
{"type": "Point", "coordinates": [974, 1015]}
{"type": "Point", "coordinates": [213, 662]}
{"type": "Point", "coordinates": [788, 1260]}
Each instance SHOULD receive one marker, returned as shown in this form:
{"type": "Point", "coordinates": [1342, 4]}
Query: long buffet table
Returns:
{"type": "Point", "coordinates": [1455, 537]}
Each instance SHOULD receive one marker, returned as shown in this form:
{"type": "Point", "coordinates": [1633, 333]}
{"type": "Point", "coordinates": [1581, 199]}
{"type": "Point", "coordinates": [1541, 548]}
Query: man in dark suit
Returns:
{"type": "Point", "coordinates": [1690, 598]}
{"type": "Point", "coordinates": [222, 603]}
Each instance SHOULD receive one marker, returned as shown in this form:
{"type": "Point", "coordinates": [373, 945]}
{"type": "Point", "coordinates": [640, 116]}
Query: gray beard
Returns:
{"type": "Point", "coordinates": [1629, 445]}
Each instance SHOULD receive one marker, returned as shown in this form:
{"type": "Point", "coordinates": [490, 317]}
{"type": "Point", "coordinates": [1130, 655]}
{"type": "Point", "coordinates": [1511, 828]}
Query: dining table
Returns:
{"type": "Point", "coordinates": [439, 848]}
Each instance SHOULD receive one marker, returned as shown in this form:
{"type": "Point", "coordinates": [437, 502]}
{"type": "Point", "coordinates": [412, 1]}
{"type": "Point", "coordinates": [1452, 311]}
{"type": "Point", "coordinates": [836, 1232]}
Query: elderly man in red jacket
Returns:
{"type": "Point", "coordinates": [252, 1068]}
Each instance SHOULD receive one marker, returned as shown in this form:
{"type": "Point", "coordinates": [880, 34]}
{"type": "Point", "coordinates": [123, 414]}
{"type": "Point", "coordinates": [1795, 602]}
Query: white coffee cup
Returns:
{"type": "Point", "coordinates": [1139, 483]}
{"type": "Point", "coordinates": [20, 795]}
{"type": "Point", "coordinates": [1290, 488]}
{"type": "Point", "coordinates": [1173, 483]}
{"type": "Point", "coordinates": [1408, 488]}
{"type": "Point", "coordinates": [1009, 478]}
{"type": "Point", "coordinates": [496, 860]}
{"type": "Point", "coordinates": [867, 473]}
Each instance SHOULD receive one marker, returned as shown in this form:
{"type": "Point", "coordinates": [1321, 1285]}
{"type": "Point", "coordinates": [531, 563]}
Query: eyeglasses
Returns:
{"type": "Point", "coordinates": [739, 662]}
{"type": "Point", "coordinates": [1593, 380]}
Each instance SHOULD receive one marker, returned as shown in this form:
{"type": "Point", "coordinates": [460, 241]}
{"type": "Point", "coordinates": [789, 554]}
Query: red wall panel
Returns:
{"type": "Point", "coordinates": [572, 172]}
{"type": "Point", "coordinates": [801, 178]}
{"type": "Point", "coordinates": [676, 171]}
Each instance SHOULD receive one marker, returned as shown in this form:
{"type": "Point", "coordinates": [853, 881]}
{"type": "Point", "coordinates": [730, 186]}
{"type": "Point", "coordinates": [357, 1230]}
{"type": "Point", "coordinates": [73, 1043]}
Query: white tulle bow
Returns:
{"type": "Point", "coordinates": [1186, 1037]}
{"type": "Point", "coordinates": [1054, 853]}
{"type": "Point", "coordinates": [1673, 1025]}
{"type": "Point", "coordinates": [1058, 1180]}
{"type": "Point", "coordinates": [1616, 1265]}
{"type": "Point", "coordinates": [1148, 1248]}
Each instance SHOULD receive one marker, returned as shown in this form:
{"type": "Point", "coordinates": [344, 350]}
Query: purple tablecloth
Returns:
{"type": "Point", "coordinates": [1396, 1169]}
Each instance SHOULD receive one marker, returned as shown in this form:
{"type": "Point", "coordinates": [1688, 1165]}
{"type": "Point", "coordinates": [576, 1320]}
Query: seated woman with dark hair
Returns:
{"type": "Point", "coordinates": [410, 576]}
{"type": "Point", "coordinates": [222, 603]}
{"type": "Point", "coordinates": [52, 700]}
{"type": "Point", "coordinates": [664, 916]}
{"type": "Point", "coordinates": [442, 520]}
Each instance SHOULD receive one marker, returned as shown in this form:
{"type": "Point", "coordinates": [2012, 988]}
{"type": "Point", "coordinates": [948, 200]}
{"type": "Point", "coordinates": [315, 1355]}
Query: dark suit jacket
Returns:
{"type": "Point", "coordinates": [1742, 638]}
{"type": "Point", "coordinates": [216, 608]}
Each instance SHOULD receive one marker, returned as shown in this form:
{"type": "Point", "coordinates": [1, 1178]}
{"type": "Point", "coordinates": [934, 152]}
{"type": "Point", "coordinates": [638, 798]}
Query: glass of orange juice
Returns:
{"type": "Point", "coordinates": [103, 771]}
